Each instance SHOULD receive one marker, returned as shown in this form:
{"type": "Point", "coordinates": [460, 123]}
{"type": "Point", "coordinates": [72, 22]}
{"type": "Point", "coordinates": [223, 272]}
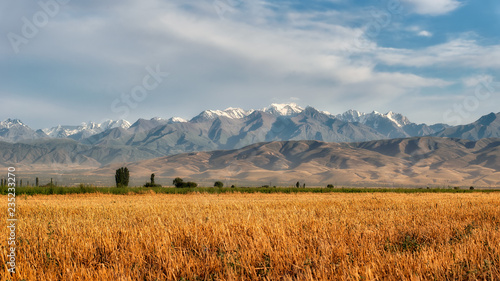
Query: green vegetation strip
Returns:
{"type": "Point", "coordinates": [212, 190]}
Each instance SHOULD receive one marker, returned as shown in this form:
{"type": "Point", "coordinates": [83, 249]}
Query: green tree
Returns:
{"type": "Point", "coordinates": [330, 186]}
{"type": "Point", "coordinates": [122, 177]}
{"type": "Point", "coordinates": [178, 182]}
{"type": "Point", "coordinates": [190, 184]}
{"type": "Point", "coordinates": [152, 182]}
{"type": "Point", "coordinates": [153, 179]}
{"type": "Point", "coordinates": [36, 181]}
{"type": "Point", "coordinates": [219, 184]}
{"type": "Point", "coordinates": [297, 185]}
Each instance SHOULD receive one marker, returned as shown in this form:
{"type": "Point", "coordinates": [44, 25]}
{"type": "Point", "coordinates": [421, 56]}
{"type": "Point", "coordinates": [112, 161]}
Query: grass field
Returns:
{"type": "Point", "coordinates": [212, 190]}
{"type": "Point", "coordinates": [244, 236]}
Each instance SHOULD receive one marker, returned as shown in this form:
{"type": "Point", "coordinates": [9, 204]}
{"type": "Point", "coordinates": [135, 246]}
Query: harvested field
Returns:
{"type": "Point", "coordinates": [332, 236]}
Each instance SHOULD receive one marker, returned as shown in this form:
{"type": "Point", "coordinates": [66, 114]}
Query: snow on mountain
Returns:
{"type": "Point", "coordinates": [351, 116]}
{"type": "Point", "coordinates": [397, 118]}
{"type": "Point", "coordinates": [238, 113]}
{"type": "Point", "coordinates": [10, 123]}
{"type": "Point", "coordinates": [86, 129]}
{"type": "Point", "coordinates": [177, 120]}
{"type": "Point", "coordinates": [389, 124]}
{"type": "Point", "coordinates": [373, 117]}
{"type": "Point", "coordinates": [230, 112]}
{"type": "Point", "coordinates": [110, 124]}
{"type": "Point", "coordinates": [286, 109]}
{"type": "Point", "coordinates": [12, 130]}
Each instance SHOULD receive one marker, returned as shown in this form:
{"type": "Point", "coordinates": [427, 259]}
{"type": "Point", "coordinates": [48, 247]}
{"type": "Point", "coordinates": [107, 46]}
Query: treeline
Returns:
{"type": "Point", "coordinates": [85, 189]}
{"type": "Point", "coordinates": [20, 183]}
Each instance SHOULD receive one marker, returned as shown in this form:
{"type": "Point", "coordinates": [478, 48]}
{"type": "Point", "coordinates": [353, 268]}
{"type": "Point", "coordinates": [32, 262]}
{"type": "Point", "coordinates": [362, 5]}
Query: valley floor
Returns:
{"type": "Point", "coordinates": [240, 236]}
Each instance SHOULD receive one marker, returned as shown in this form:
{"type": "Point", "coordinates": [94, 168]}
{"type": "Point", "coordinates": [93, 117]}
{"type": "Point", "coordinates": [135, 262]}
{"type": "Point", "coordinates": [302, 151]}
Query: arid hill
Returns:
{"type": "Point", "coordinates": [414, 161]}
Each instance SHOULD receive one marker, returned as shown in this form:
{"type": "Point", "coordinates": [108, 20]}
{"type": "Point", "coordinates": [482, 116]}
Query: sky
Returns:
{"type": "Point", "coordinates": [67, 62]}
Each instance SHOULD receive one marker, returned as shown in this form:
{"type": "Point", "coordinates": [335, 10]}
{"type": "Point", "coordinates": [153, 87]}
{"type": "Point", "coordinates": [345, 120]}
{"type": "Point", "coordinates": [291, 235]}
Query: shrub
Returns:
{"type": "Point", "coordinates": [219, 184]}
{"type": "Point", "coordinates": [190, 184]}
{"type": "Point", "coordinates": [152, 182]}
{"type": "Point", "coordinates": [178, 182]}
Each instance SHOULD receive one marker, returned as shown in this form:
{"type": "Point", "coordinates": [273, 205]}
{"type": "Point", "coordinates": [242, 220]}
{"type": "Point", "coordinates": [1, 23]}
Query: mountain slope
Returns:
{"type": "Point", "coordinates": [411, 161]}
{"type": "Point", "coordinates": [222, 132]}
{"type": "Point", "coordinates": [84, 130]}
{"type": "Point", "coordinates": [414, 161]}
{"type": "Point", "coordinates": [14, 130]}
{"type": "Point", "coordinates": [229, 128]}
{"type": "Point", "coordinates": [487, 126]}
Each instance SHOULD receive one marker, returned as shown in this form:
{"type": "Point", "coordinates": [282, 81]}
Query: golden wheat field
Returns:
{"type": "Point", "coordinates": [376, 236]}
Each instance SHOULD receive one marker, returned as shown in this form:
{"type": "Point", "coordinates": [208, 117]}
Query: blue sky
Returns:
{"type": "Point", "coordinates": [65, 62]}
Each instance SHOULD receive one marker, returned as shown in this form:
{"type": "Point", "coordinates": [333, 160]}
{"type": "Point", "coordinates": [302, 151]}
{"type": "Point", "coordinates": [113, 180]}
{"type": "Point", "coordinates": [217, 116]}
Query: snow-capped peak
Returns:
{"type": "Point", "coordinates": [86, 129]}
{"type": "Point", "coordinates": [364, 118]}
{"type": "Point", "coordinates": [397, 118]}
{"type": "Point", "coordinates": [118, 124]}
{"type": "Point", "coordinates": [351, 116]}
{"type": "Point", "coordinates": [9, 123]}
{"type": "Point", "coordinates": [177, 120]}
{"type": "Point", "coordinates": [230, 112]}
{"type": "Point", "coordinates": [286, 109]}
{"type": "Point", "coordinates": [237, 113]}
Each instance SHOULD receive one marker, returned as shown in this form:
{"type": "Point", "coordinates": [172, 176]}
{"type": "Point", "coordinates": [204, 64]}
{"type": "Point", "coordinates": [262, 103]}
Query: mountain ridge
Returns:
{"type": "Point", "coordinates": [88, 129]}
{"type": "Point", "coordinates": [418, 161]}
{"type": "Point", "coordinates": [235, 128]}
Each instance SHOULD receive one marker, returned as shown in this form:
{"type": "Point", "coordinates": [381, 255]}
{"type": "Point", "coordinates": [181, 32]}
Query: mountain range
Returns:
{"type": "Point", "coordinates": [418, 161]}
{"type": "Point", "coordinates": [242, 127]}
{"type": "Point", "coordinates": [93, 145]}
{"type": "Point", "coordinates": [411, 161]}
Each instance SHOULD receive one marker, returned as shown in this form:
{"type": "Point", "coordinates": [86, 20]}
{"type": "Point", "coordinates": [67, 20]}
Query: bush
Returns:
{"type": "Point", "coordinates": [190, 184]}
{"type": "Point", "coordinates": [471, 188]}
{"type": "Point", "coordinates": [219, 184]}
{"type": "Point", "coordinates": [330, 186]}
{"type": "Point", "coordinates": [179, 183]}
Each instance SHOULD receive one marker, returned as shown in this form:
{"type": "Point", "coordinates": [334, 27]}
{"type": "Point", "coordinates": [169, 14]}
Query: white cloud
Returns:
{"type": "Point", "coordinates": [246, 59]}
{"type": "Point", "coordinates": [473, 81]}
{"type": "Point", "coordinates": [433, 7]}
{"type": "Point", "coordinates": [461, 52]}
{"type": "Point", "coordinates": [424, 33]}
